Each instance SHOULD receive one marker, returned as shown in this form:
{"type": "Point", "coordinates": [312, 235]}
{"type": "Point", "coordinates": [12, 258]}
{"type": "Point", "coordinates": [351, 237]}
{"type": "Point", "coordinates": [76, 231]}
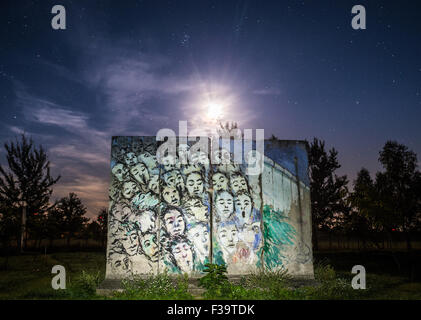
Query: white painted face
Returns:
{"type": "Point", "coordinates": [154, 184]}
{"type": "Point", "coordinates": [243, 206]}
{"type": "Point", "coordinates": [149, 246]}
{"type": "Point", "coordinates": [121, 213]}
{"type": "Point", "coordinates": [194, 184]}
{"type": "Point", "coordinates": [140, 173]}
{"type": "Point", "coordinates": [130, 242]}
{"type": "Point", "coordinates": [174, 223]}
{"type": "Point", "coordinates": [169, 178]}
{"type": "Point", "coordinates": [147, 221]}
{"type": "Point", "coordinates": [130, 189]}
{"type": "Point", "coordinates": [119, 171]}
{"type": "Point", "coordinates": [169, 162]}
{"type": "Point", "coordinates": [174, 179]}
{"type": "Point", "coordinates": [117, 262]}
{"type": "Point", "coordinates": [222, 156]}
{"type": "Point", "coordinates": [200, 158]}
{"type": "Point", "coordinates": [149, 160]}
{"type": "Point", "coordinates": [199, 235]}
{"type": "Point", "coordinates": [183, 153]}
{"type": "Point", "coordinates": [238, 183]}
{"type": "Point", "coordinates": [220, 182]}
{"type": "Point", "coordinates": [224, 205]}
{"type": "Point", "coordinates": [171, 196]}
{"type": "Point", "coordinates": [183, 255]}
{"type": "Point", "coordinates": [145, 200]}
{"type": "Point", "coordinates": [228, 237]}
{"type": "Point", "coordinates": [250, 231]}
{"type": "Point", "coordinates": [197, 209]}
{"type": "Point", "coordinates": [130, 159]}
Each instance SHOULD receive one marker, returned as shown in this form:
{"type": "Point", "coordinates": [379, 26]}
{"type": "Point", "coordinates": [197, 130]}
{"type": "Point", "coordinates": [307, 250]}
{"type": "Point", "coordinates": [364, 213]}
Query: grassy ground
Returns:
{"type": "Point", "coordinates": [29, 277]}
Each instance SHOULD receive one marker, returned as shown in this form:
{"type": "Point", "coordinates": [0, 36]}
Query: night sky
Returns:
{"type": "Point", "coordinates": [294, 68]}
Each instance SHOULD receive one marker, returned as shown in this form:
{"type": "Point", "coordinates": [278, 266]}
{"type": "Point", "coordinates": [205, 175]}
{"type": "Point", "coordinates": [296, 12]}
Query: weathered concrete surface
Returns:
{"type": "Point", "coordinates": [176, 217]}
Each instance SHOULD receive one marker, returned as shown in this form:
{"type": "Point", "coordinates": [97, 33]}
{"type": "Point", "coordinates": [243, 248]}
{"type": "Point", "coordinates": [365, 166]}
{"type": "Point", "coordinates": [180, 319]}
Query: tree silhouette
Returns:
{"type": "Point", "coordinates": [328, 191]}
{"type": "Point", "coordinates": [399, 188]}
{"type": "Point", "coordinates": [27, 181]}
{"type": "Point", "coordinates": [73, 212]}
{"type": "Point", "coordinates": [366, 219]}
{"type": "Point", "coordinates": [102, 221]}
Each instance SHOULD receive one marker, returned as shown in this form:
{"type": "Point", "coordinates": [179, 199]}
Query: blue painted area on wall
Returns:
{"type": "Point", "coordinates": [283, 152]}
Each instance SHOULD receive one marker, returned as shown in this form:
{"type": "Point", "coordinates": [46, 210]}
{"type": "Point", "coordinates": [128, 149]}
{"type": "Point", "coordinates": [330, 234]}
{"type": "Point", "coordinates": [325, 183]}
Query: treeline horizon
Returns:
{"type": "Point", "coordinates": [372, 211]}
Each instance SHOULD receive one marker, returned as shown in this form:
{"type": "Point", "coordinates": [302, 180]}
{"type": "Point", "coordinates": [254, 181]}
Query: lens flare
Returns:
{"type": "Point", "coordinates": [214, 110]}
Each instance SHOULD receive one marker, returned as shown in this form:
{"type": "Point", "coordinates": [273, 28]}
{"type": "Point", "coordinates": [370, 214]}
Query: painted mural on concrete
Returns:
{"type": "Point", "coordinates": [237, 236]}
{"type": "Point", "coordinates": [175, 216]}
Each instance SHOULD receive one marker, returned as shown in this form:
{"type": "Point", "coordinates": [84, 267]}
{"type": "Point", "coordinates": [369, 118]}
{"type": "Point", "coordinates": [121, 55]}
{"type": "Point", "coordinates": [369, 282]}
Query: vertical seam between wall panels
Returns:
{"type": "Point", "coordinates": [210, 175]}
{"type": "Point", "coordinates": [262, 262]}
{"type": "Point", "coordinates": [159, 217]}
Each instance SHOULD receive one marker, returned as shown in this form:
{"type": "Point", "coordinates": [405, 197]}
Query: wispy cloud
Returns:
{"type": "Point", "coordinates": [134, 94]}
{"type": "Point", "coordinates": [80, 154]}
{"type": "Point", "coordinates": [267, 91]}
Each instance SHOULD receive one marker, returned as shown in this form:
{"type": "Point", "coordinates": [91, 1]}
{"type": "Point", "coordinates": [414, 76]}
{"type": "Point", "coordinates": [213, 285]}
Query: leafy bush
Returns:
{"type": "Point", "coordinates": [215, 281]}
{"type": "Point", "coordinates": [84, 286]}
{"type": "Point", "coordinates": [323, 271]}
{"type": "Point", "coordinates": [330, 285]}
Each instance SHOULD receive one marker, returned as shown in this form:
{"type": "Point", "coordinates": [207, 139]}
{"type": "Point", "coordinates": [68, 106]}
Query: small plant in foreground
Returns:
{"type": "Point", "coordinates": [215, 281]}
{"type": "Point", "coordinates": [84, 286]}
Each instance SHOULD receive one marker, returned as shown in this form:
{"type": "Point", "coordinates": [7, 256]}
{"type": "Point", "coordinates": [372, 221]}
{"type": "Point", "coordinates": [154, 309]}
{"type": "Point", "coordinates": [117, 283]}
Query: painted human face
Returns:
{"type": "Point", "coordinates": [168, 162]}
{"type": "Point", "coordinates": [121, 213]}
{"type": "Point", "coordinates": [154, 184]}
{"type": "Point", "coordinates": [130, 159]}
{"type": "Point", "coordinates": [147, 221]}
{"type": "Point", "coordinates": [197, 209]}
{"type": "Point", "coordinates": [130, 189]}
{"type": "Point", "coordinates": [174, 179]}
{"type": "Point", "coordinates": [183, 255]}
{"type": "Point", "coordinates": [119, 171]}
{"type": "Point", "coordinates": [149, 246]}
{"type": "Point", "coordinates": [220, 182]}
{"type": "Point", "coordinates": [194, 184]}
{"type": "Point", "coordinates": [250, 231]}
{"type": "Point", "coordinates": [238, 183]}
{"type": "Point", "coordinates": [222, 156]}
{"type": "Point", "coordinates": [183, 153]}
{"type": "Point", "coordinates": [130, 242]}
{"type": "Point", "coordinates": [140, 173]}
{"type": "Point", "coordinates": [200, 158]}
{"type": "Point", "coordinates": [171, 196]}
{"type": "Point", "coordinates": [199, 235]}
{"type": "Point", "coordinates": [228, 237]}
{"type": "Point", "coordinates": [224, 205]}
{"type": "Point", "coordinates": [148, 159]}
{"type": "Point", "coordinates": [117, 261]}
{"type": "Point", "coordinates": [243, 206]}
{"type": "Point", "coordinates": [174, 222]}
